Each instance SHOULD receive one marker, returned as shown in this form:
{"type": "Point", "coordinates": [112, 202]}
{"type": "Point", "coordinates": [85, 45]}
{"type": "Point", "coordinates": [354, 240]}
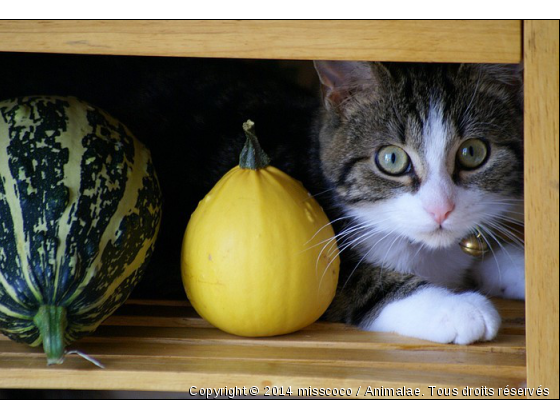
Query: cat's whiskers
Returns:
{"type": "Point", "coordinates": [365, 255]}
{"type": "Point", "coordinates": [513, 229]}
{"type": "Point", "coordinates": [330, 223]}
{"type": "Point", "coordinates": [372, 229]}
{"type": "Point", "coordinates": [505, 208]}
{"type": "Point", "coordinates": [512, 220]}
{"type": "Point", "coordinates": [503, 230]}
{"type": "Point", "coordinates": [504, 215]}
{"type": "Point", "coordinates": [320, 193]}
{"type": "Point", "coordinates": [333, 241]}
{"type": "Point", "coordinates": [398, 237]}
{"type": "Point", "coordinates": [481, 230]}
{"type": "Point", "coordinates": [369, 251]}
{"type": "Point", "coordinates": [509, 199]}
{"type": "Point", "coordinates": [508, 206]}
{"type": "Point", "coordinates": [501, 224]}
{"type": "Point", "coordinates": [333, 258]}
{"type": "Point", "coordinates": [503, 249]}
{"type": "Point", "coordinates": [421, 246]}
{"type": "Point", "coordinates": [346, 238]}
{"type": "Point", "coordinates": [319, 258]}
{"type": "Point", "coordinates": [384, 261]}
{"type": "Point", "coordinates": [355, 242]}
{"type": "Point", "coordinates": [345, 233]}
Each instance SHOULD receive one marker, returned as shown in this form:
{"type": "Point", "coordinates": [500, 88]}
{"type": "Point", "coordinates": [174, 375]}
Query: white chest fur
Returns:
{"type": "Point", "coordinates": [444, 267]}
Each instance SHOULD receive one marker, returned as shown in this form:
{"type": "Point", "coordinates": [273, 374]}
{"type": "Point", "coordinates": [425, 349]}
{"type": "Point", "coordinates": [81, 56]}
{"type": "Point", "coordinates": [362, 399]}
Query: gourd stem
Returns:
{"type": "Point", "coordinates": [51, 321]}
{"type": "Point", "coordinates": [252, 156]}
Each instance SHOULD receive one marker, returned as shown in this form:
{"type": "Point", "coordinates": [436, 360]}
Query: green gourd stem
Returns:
{"type": "Point", "coordinates": [252, 156]}
{"type": "Point", "coordinates": [51, 321]}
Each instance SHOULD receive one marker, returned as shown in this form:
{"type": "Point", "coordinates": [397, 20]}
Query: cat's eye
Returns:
{"type": "Point", "coordinates": [392, 160]}
{"type": "Point", "coordinates": [472, 153]}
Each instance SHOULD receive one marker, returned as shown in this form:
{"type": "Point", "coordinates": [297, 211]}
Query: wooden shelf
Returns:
{"type": "Point", "coordinates": [166, 346]}
{"type": "Point", "coordinates": [416, 40]}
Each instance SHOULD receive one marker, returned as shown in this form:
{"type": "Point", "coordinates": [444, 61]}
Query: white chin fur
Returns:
{"type": "Point", "coordinates": [437, 239]}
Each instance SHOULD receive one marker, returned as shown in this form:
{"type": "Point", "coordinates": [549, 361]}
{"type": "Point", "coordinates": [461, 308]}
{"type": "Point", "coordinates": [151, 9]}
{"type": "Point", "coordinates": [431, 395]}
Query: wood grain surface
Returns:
{"type": "Point", "coordinates": [541, 202]}
{"type": "Point", "coordinates": [165, 346]}
{"type": "Point", "coordinates": [415, 40]}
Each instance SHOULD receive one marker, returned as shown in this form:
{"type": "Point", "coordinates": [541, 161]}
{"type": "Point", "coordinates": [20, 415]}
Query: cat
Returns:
{"type": "Point", "coordinates": [380, 154]}
{"type": "Point", "coordinates": [417, 156]}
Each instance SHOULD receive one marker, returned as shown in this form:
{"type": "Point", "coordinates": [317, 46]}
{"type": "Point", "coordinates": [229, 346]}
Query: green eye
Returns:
{"type": "Point", "coordinates": [392, 160]}
{"type": "Point", "coordinates": [472, 153]}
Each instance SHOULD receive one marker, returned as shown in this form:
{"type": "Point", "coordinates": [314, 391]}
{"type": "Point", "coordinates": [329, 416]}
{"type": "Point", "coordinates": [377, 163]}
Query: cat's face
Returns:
{"type": "Point", "coordinates": [423, 152]}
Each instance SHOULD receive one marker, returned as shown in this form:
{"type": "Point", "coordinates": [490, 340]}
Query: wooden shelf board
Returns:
{"type": "Point", "coordinates": [165, 346]}
{"type": "Point", "coordinates": [542, 202]}
{"type": "Point", "coordinates": [414, 40]}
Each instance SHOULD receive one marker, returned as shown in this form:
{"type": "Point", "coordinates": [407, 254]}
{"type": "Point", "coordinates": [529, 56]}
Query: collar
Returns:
{"type": "Point", "coordinates": [482, 241]}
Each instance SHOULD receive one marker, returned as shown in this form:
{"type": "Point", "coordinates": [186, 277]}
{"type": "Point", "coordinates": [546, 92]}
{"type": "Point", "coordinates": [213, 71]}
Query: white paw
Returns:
{"type": "Point", "coordinates": [502, 274]}
{"type": "Point", "coordinates": [436, 314]}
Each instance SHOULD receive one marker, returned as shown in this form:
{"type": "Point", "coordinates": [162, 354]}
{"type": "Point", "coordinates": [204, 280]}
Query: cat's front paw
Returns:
{"type": "Point", "coordinates": [436, 314]}
{"type": "Point", "coordinates": [502, 274]}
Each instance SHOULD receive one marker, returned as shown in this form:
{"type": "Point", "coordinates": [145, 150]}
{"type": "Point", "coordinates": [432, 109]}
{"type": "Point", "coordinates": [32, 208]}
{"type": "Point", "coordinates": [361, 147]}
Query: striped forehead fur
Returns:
{"type": "Point", "coordinates": [435, 143]}
{"type": "Point", "coordinates": [428, 109]}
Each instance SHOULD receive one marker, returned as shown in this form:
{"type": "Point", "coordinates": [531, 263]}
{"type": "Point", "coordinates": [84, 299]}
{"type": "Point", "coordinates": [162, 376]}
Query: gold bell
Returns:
{"type": "Point", "coordinates": [474, 244]}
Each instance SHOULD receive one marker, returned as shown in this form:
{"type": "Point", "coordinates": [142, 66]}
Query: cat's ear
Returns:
{"type": "Point", "coordinates": [340, 80]}
{"type": "Point", "coordinates": [508, 76]}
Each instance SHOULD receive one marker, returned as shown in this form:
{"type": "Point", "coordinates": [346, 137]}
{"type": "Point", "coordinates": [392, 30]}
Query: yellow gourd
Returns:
{"type": "Point", "coordinates": [259, 256]}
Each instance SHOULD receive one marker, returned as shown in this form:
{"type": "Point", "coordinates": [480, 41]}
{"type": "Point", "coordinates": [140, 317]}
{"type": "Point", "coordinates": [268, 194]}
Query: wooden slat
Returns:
{"type": "Point", "coordinates": [438, 41]}
{"type": "Point", "coordinates": [491, 364]}
{"type": "Point", "coordinates": [166, 346]}
{"type": "Point", "coordinates": [308, 338]}
{"type": "Point", "coordinates": [541, 202]}
{"type": "Point", "coordinates": [135, 374]}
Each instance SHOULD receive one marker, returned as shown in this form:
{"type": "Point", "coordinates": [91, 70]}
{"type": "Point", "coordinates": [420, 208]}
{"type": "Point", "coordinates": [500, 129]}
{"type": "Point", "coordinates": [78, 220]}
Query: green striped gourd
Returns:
{"type": "Point", "coordinates": [80, 207]}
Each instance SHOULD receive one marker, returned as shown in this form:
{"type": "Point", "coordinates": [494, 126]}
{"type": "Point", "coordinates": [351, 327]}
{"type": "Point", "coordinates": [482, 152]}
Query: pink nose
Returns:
{"type": "Point", "coordinates": [440, 212]}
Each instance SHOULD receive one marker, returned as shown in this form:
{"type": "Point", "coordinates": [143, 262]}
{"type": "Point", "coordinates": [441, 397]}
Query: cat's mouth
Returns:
{"type": "Point", "coordinates": [440, 237]}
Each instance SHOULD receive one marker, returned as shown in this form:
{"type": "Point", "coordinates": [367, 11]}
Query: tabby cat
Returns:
{"type": "Point", "coordinates": [406, 159]}
{"type": "Point", "coordinates": [416, 157]}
